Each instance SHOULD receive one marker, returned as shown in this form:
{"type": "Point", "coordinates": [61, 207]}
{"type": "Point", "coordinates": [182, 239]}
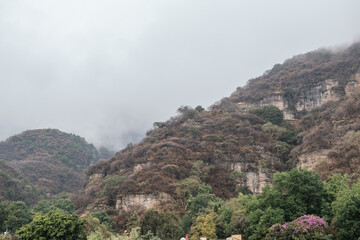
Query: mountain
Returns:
{"type": "Point", "coordinates": [44, 161]}
{"type": "Point", "coordinates": [302, 113]}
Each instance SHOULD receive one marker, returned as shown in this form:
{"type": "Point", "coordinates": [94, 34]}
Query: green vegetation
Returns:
{"type": "Point", "coordinates": [164, 225]}
{"type": "Point", "coordinates": [45, 206]}
{"type": "Point", "coordinates": [13, 215]}
{"type": "Point", "coordinates": [269, 113]}
{"type": "Point", "coordinates": [54, 225]}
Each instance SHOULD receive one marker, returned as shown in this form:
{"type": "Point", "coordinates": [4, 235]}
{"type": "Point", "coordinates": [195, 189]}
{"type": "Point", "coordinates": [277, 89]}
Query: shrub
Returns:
{"type": "Point", "coordinates": [269, 113]}
{"type": "Point", "coordinates": [305, 227]}
{"type": "Point", "coordinates": [171, 171]}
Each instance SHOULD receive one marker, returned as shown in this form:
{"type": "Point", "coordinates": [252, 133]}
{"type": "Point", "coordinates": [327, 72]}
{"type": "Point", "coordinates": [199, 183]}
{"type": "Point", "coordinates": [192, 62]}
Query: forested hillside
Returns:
{"type": "Point", "coordinates": [39, 162]}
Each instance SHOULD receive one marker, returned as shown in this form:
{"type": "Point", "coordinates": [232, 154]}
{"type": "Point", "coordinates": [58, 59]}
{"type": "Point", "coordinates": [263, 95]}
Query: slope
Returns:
{"type": "Point", "coordinates": [44, 159]}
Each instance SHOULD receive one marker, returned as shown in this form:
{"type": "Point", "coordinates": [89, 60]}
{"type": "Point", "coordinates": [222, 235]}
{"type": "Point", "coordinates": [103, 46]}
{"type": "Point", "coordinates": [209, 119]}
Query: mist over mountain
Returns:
{"type": "Point", "coordinates": [107, 70]}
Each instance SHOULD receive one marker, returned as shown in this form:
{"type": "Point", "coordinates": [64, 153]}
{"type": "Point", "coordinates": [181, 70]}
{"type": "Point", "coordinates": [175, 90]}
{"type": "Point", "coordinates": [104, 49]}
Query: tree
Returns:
{"type": "Point", "coordinates": [46, 206]}
{"type": "Point", "coordinates": [199, 108]}
{"type": "Point", "coordinates": [302, 192]}
{"type": "Point", "coordinates": [269, 113]}
{"type": "Point", "coordinates": [103, 218]}
{"type": "Point", "coordinates": [336, 184]}
{"type": "Point", "coordinates": [164, 225]}
{"type": "Point", "coordinates": [186, 188]}
{"type": "Point", "coordinates": [13, 215]}
{"type": "Point", "coordinates": [206, 225]}
{"type": "Point", "coordinates": [293, 194]}
{"type": "Point", "coordinates": [274, 131]}
{"type": "Point", "coordinates": [347, 213]}
{"type": "Point", "coordinates": [202, 201]}
{"type": "Point", "coordinates": [54, 225]}
{"type": "Point", "coordinates": [261, 221]}
{"type": "Point", "coordinates": [95, 229]}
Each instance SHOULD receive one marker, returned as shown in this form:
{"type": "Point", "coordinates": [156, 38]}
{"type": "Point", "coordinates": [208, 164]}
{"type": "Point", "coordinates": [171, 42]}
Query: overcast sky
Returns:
{"type": "Point", "coordinates": [106, 70]}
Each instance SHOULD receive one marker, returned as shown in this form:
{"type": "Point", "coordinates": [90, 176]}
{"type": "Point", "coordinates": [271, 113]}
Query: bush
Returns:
{"type": "Point", "coordinates": [305, 227]}
{"type": "Point", "coordinates": [269, 113]}
{"type": "Point", "coordinates": [171, 171]}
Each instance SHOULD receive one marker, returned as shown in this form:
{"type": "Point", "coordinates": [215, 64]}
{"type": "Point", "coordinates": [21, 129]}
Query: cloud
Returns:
{"type": "Point", "coordinates": [106, 70]}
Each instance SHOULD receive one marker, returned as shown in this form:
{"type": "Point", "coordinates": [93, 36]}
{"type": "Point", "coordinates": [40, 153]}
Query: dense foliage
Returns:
{"type": "Point", "coordinates": [13, 215]}
{"type": "Point", "coordinates": [54, 225]}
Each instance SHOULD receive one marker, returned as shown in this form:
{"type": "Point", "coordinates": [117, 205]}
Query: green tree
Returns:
{"type": "Point", "coordinates": [335, 184]}
{"type": "Point", "coordinates": [301, 191]}
{"type": "Point", "coordinates": [103, 218]}
{"type": "Point", "coordinates": [65, 204]}
{"type": "Point", "coordinates": [269, 113]}
{"type": "Point", "coordinates": [46, 206]}
{"type": "Point", "coordinates": [54, 225]}
{"type": "Point", "coordinates": [13, 215]}
{"type": "Point", "coordinates": [199, 108]}
{"type": "Point", "coordinates": [186, 188]}
{"type": "Point", "coordinates": [165, 225]}
{"type": "Point", "coordinates": [95, 229]}
{"type": "Point", "coordinates": [347, 213]}
{"type": "Point", "coordinates": [203, 201]}
{"type": "Point", "coordinates": [205, 226]}
{"type": "Point", "coordinates": [264, 219]}
{"type": "Point", "coordinates": [274, 131]}
{"type": "Point", "coordinates": [294, 194]}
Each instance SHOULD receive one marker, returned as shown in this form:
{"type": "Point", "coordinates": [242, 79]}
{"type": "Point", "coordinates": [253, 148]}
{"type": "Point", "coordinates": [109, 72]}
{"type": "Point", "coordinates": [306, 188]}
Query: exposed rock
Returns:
{"type": "Point", "coordinates": [312, 159]}
{"type": "Point", "coordinates": [141, 201]}
{"type": "Point", "coordinates": [256, 181]}
{"type": "Point", "coordinates": [317, 95]}
{"type": "Point", "coordinates": [254, 177]}
{"type": "Point", "coordinates": [307, 100]}
{"type": "Point", "coordinates": [139, 167]}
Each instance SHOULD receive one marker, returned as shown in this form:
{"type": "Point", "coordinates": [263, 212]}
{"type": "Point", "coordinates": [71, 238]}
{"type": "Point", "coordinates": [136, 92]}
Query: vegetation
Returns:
{"type": "Point", "coordinates": [45, 160]}
{"type": "Point", "coordinates": [269, 113]}
{"type": "Point", "coordinates": [13, 215]}
{"type": "Point", "coordinates": [54, 225]}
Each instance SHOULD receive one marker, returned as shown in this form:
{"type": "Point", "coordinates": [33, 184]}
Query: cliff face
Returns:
{"type": "Point", "coordinates": [305, 100]}
{"type": "Point", "coordinates": [330, 140]}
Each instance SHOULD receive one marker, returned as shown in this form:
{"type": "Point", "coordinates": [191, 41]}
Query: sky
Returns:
{"type": "Point", "coordinates": [107, 70]}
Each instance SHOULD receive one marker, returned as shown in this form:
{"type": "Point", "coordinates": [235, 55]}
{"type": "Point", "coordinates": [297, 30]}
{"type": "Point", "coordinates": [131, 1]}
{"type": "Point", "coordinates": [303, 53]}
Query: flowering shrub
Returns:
{"type": "Point", "coordinates": [309, 225]}
{"type": "Point", "coordinates": [305, 227]}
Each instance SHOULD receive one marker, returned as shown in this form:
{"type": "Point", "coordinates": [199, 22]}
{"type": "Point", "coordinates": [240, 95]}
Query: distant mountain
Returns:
{"type": "Point", "coordinates": [44, 161]}
{"type": "Point", "coordinates": [302, 113]}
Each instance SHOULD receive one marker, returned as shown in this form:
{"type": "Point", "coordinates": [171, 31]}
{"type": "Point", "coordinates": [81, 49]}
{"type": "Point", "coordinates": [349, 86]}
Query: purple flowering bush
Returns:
{"type": "Point", "coordinates": [305, 227]}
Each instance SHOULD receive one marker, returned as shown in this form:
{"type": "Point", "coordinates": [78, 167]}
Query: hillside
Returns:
{"type": "Point", "coordinates": [45, 160]}
{"type": "Point", "coordinates": [240, 143]}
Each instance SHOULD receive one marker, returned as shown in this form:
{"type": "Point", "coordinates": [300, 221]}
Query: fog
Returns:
{"type": "Point", "coordinates": [106, 70]}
